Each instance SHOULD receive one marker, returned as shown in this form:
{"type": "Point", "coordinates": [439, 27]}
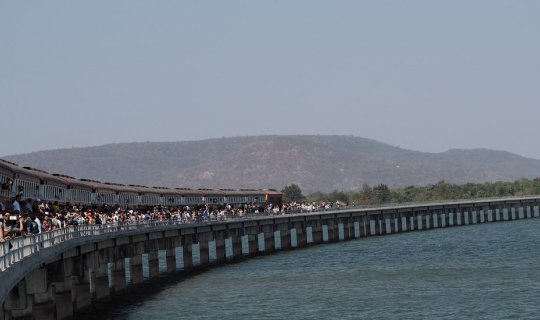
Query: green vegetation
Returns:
{"type": "Point", "coordinates": [292, 193]}
{"type": "Point", "coordinates": [443, 190]}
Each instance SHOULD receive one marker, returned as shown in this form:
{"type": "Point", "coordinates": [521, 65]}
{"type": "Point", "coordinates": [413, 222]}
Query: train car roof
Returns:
{"type": "Point", "coordinates": [273, 191]}
{"type": "Point", "coordinates": [144, 189]}
{"type": "Point", "coordinates": [210, 192]}
{"type": "Point", "coordinates": [42, 175]}
{"type": "Point", "coordinates": [8, 166]}
{"type": "Point", "coordinates": [72, 182]}
{"type": "Point", "coordinates": [252, 191]}
{"type": "Point", "coordinates": [232, 192]}
{"type": "Point", "coordinates": [121, 187]}
{"type": "Point", "coordinates": [94, 184]}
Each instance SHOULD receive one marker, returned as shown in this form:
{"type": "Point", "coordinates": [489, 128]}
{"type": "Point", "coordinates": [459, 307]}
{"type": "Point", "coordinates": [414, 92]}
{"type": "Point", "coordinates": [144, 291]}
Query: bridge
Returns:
{"type": "Point", "coordinates": [54, 274]}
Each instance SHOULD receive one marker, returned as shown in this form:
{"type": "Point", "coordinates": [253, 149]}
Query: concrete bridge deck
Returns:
{"type": "Point", "coordinates": [51, 275]}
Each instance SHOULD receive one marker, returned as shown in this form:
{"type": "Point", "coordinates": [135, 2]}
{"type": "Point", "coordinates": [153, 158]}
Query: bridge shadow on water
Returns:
{"type": "Point", "coordinates": [136, 295]}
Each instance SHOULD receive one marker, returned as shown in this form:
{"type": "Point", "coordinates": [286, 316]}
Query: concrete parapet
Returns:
{"type": "Point", "coordinates": [66, 278]}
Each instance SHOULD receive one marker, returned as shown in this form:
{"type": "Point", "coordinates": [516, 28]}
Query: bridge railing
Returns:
{"type": "Point", "coordinates": [14, 250]}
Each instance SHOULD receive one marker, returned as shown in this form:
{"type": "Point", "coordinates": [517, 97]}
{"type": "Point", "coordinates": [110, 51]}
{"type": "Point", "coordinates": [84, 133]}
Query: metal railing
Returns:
{"type": "Point", "coordinates": [16, 249]}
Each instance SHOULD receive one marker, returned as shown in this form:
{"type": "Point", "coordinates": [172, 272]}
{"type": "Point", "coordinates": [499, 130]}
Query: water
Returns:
{"type": "Point", "coordinates": [488, 271]}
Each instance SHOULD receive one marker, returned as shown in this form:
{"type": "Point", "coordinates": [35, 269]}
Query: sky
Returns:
{"type": "Point", "coordinates": [422, 75]}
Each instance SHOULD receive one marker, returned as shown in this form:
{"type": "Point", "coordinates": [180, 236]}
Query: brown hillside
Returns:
{"type": "Point", "coordinates": [322, 163]}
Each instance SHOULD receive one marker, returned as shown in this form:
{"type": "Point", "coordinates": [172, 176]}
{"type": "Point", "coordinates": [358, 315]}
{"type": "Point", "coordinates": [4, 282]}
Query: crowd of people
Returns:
{"type": "Point", "coordinates": [33, 216]}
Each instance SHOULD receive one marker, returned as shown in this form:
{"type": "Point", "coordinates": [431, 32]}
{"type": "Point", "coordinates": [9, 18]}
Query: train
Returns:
{"type": "Point", "coordinates": [32, 183]}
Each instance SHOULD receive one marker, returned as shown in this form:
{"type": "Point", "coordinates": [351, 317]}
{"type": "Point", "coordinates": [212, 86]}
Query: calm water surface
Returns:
{"type": "Point", "coordinates": [488, 271]}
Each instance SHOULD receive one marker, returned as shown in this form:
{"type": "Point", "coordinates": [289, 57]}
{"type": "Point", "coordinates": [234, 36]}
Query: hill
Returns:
{"type": "Point", "coordinates": [315, 163]}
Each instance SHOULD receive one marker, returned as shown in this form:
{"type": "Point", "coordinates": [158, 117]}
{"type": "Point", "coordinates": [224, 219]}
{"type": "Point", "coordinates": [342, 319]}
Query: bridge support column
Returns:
{"type": "Point", "coordinates": [404, 223]}
{"type": "Point", "coordinates": [356, 228]}
{"type": "Point", "coordinates": [203, 238]}
{"type": "Point", "coordinates": [101, 287]}
{"type": "Point", "coordinates": [397, 223]}
{"type": "Point", "coordinates": [285, 236]}
{"type": "Point", "coordinates": [436, 217]}
{"type": "Point", "coordinates": [459, 217]}
{"type": "Point", "coordinates": [317, 232]}
{"type": "Point", "coordinates": [236, 240]}
{"type": "Point", "coordinates": [219, 237]}
{"type": "Point", "coordinates": [387, 225]}
{"type": "Point", "coordinates": [301, 237]}
{"type": "Point", "coordinates": [412, 222]}
{"type": "Point", "coordinates": [253, 239]}
{"type": "Point", "coordinates": [187, 242]}
{"type": "Point", "coordinates": [269, 239]}
{"type": "Point", "coordinates": [333, 232]}
{"type": "Point", "coordinates": [380, 230]}
{"type": "Point", "coordinates": [444, 218]}
{"type": "Point", "coordinates": [466, 215]}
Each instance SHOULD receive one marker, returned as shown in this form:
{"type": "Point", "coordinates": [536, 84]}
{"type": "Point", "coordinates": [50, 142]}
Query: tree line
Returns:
{"type": "Point", "coordinates": [442, 190]}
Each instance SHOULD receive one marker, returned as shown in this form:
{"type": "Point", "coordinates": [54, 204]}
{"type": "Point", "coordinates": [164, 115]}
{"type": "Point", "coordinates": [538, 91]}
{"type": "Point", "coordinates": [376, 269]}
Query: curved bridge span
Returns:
{"type": "Point", "coordinates": [52, 275]}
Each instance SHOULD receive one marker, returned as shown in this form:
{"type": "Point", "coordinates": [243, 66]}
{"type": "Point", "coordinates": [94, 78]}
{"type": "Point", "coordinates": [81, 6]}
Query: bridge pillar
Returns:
{"type": "Point", "coordinates": [253, 240]}
{"type": "Point", "coordinates": [466, 214]}
{"type": "Point", "coordinates": [443, 218]}
{"type": "Point", "coordinates": [397, 223]}
{"type": "Point", "coordinates": [435, 215]}
{"type": "Point", "coordinates": [219, 237]}
{"type": "Point", "coordinates": [380, 225]}
{"type": "Point", "coordinates": [459, 217]}
{"type": "Point", "coordinates": [60, 288]}
{"type": "Point", "coordinates": [412, 223]}
{"type": "Point", "coordinates": [496, 213]}
{"type": "Point", "coordinates": [473, 213]}
{"type": "Point", "coordinates": [151, 249]}
{"type": "Point", "coordinates": [136, 269]}
{"type": "Point", "coordinates": [187, 242]}
{"type": "Point", "coordinates": [203, 238]}
{"type": "Point", "coordinates": [285, 235]}
{"type": "Point", "coordinates": [236, 240]}
{"type": "Point", "coordinates": [301, 237]}
{"type": "Point", "coordinates": [316, 231]}
{"type": "Point", "coordinates": [387, 225]}
{"type": "Point", "coordinates": [419, 221]}
{"type": "Point", "coordinates": [269, 239]}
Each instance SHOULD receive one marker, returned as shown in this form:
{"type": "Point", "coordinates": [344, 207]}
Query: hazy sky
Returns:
{"type": "Point", "coordinates": [423, 75]}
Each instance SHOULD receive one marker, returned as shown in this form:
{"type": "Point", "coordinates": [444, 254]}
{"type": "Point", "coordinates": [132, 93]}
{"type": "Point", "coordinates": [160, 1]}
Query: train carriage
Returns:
{"type": "Point", "coordinates": [170, 197]}
{"type": "Point", "coordinates": [127, 196]}
{"type": "Point", "coordinates": [101, 193]}
{"type": "Point", "coordinates": [274, 197]}
{"type": "Point", "coordinates": [7, 178]}
{"type": "Point", "coordinates": [233, 197]}
{"type": "Point", "coordinates": [254, 196]}
{"type": "Point", "coordinates": [38, 184]}
{"type": "Point", "coordinates": [28, 182]}
{"type": "Point", "coordinates": [147, 196]}
{"type": "Point", "coordinates": [189, 197]}
{"type": "Point", "coordinates": [211, 196]}
{"type": "Point", "coordinates": [78, 192]}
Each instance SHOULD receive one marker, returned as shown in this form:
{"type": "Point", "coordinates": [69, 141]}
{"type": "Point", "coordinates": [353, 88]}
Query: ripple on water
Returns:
{"type": "Point", "coordinates": [479, 272]}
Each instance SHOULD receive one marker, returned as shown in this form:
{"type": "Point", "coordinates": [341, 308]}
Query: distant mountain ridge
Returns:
{"type": "Point", "coordinates": [315, 163]}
